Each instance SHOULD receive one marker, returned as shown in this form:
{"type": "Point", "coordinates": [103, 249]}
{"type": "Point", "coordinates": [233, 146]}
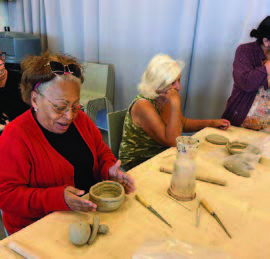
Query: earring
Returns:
{"type": "Point", "coordinates": [36, 109]}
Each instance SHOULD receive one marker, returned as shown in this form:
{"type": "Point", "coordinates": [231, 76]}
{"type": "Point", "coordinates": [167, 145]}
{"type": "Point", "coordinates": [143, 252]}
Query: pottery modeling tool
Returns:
{"type": "Point", "coordinates": [148, 206]}
{"type": "Point", "coordinates": [178, 202]}
{"type": "Point", "coordinates": [198, 177]}
{"type": "Point", "coordinates": [22, 251]}
{"type": "Point", "coordinates": [207, 207]}
{"type": "Point", "coordinates": [198, 214]}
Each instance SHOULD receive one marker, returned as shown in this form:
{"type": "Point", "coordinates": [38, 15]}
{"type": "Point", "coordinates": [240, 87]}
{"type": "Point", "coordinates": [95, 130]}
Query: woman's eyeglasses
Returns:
{"type": "Point", "coordinates": [3, 55]}
{"type": "Point", "coordinates": [64, 109]}
{"type": "Point", "coordinates": [60, 69]}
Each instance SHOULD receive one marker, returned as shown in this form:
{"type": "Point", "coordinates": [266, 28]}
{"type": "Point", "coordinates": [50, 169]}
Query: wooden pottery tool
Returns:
{"type": "Point", "coordinates": [148, 206]}
{"type": "Point", "coordinates": [198, 214]}
{"type": "Point", "coordinates": [207, 207]}
{"type": "Point", "coordinates": [198, 177]}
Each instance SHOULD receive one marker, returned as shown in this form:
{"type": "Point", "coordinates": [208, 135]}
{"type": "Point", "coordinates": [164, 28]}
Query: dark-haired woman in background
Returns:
{"type": "Point", "coordinates": [249, 103]}
{"type": "Point", "coordinates": [11, 103]}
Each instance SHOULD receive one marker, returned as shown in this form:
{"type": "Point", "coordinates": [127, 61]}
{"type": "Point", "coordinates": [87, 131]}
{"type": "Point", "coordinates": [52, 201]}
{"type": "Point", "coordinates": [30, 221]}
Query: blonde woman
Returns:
{"type": "Point", "coordinates": [154, 118]}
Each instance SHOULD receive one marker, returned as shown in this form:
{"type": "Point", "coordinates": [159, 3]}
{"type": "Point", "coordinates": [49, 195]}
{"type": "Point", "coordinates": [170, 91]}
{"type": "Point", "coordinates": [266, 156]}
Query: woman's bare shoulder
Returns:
{"type": "Point", "coordinates": [142, 105]}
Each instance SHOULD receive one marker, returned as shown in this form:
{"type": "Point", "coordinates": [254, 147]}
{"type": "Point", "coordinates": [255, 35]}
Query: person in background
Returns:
{"type": "Point", "coordinates": [53, 153]}
{"type": "Point", "coordinates": [154, 119]}
{"type": "Point", "coordinates": [249, 103]}
{"type": "Point", "coordinates": [11, 103]}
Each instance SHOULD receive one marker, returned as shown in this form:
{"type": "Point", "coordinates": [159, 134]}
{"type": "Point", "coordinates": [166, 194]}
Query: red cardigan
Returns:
{"type": "Point", "coordinates": [34, 175]}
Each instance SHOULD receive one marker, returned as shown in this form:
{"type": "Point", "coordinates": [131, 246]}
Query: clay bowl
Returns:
{"type": "Point", "coordinates": [240, 147]}
{"type": "Point", "coordinates": [107, 195]}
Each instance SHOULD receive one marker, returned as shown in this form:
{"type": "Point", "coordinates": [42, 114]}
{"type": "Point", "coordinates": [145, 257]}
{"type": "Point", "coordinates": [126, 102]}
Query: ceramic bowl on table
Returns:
{"type": "Point", "coordinates": [107, 195]}
{"type": "Point", "coordinates": [236, 147]}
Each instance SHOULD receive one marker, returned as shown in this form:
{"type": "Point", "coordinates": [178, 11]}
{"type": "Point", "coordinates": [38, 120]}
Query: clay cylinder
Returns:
{"type": "Point", "coordinates": [183, 180]}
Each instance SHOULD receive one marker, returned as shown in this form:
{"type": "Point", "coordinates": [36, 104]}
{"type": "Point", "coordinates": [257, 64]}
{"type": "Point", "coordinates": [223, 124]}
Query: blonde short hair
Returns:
{"type": "Point", "coordinates": [159, 74]}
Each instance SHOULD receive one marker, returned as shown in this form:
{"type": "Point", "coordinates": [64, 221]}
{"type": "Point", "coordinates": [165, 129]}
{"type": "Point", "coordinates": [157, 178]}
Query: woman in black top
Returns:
{"type": "Point", "coordinates": [11, 103]}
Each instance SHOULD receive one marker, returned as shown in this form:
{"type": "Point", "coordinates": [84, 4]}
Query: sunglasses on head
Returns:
{"type": "Point", "coordinates": [2, 55]}
{"type": "Point", "coordinates": [59, 69]}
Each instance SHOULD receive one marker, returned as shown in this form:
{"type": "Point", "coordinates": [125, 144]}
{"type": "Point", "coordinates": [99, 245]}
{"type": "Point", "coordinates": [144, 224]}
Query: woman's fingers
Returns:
{"type": "Point", "coordinates": [226, 122]}
{"type": "Point", "coordinates": [115, 174]}
{"type": "Point", "coordinates": [75, 190]}
{"type": "Point", "coordinates": [77, 203]}
{"type": "Point", "coordinates": [128, 183]}
{"type": "Point", "coordinates": [116, 165]}
{"type": "Point", "coordinates": [114, 169]}
{"type": "Point", "coordinates": [83, 205]}
{"type": "Point", "coordinates": [222, 124]}
{"type": "Point", "coordinates": [125, 180]}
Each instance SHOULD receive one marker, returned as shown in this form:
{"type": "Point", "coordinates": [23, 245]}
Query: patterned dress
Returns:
{"type": "Point", "coordinates": [136, 146]}
{"type": "Point", "coordinates": [259, 114]}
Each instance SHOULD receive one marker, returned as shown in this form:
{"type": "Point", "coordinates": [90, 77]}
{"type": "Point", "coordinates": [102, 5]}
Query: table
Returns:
{"type": "Point", "coordinates": [243, 206]}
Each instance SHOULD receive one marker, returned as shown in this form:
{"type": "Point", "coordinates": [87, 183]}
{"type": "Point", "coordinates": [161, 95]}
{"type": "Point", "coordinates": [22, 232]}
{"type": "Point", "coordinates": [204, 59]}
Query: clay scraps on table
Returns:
{"type": "Point", "coordinates": [242, 164]}
{"type": "Point", "coordinates": [217, 139]}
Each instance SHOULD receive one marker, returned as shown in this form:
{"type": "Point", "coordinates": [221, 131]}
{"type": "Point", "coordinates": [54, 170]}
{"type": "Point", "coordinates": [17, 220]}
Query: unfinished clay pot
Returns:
{"type": "Point", "coordinates": [240, 147]}
{"type": "Point", "coordinates": [107, 195]}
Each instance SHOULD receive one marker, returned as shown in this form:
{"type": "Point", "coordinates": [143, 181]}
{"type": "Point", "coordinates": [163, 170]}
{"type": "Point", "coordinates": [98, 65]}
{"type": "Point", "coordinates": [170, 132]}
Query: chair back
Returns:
{"type": "Point", "coordinates": [3, 231]}
{"type": "Point", "coordinates": [115, 122]}
{"type": "Point", "coordinates": [98, 82]}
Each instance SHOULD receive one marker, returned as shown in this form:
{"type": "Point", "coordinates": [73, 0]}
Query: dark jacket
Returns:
{"type": "Point", "coordinates": [11, 102]}
{"type": "Point", "coordinates": [249, 74]}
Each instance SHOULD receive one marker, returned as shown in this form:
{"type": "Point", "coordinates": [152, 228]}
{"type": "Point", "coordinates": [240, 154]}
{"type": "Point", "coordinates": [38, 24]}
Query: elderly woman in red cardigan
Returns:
{"type": "Point", "coordinates": [53, 153]}
{"type": "Point", "coordinates": [249, 103]}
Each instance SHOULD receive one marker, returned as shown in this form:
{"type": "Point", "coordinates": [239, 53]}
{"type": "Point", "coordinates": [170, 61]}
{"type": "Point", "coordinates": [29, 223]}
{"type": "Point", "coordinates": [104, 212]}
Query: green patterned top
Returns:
{"type": "Point", "coordinates": [137, 146]}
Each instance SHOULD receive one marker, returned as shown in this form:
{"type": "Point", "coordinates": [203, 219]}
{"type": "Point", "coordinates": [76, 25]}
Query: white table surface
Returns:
{"type": "Point", "coordinates": [242, 205]}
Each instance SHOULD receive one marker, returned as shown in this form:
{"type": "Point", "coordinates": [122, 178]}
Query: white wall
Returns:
{"type": "Point", "coordinates": [128, 33]}
{"type": "Point", "coordinates": [221, 27]}
{"type": "Point", "coordinates": [132, 32]}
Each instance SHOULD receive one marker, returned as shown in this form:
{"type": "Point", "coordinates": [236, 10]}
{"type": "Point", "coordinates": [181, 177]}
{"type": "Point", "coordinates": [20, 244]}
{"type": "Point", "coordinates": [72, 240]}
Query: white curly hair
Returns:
{"type": "Point", "coordinates": [159, 74]}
